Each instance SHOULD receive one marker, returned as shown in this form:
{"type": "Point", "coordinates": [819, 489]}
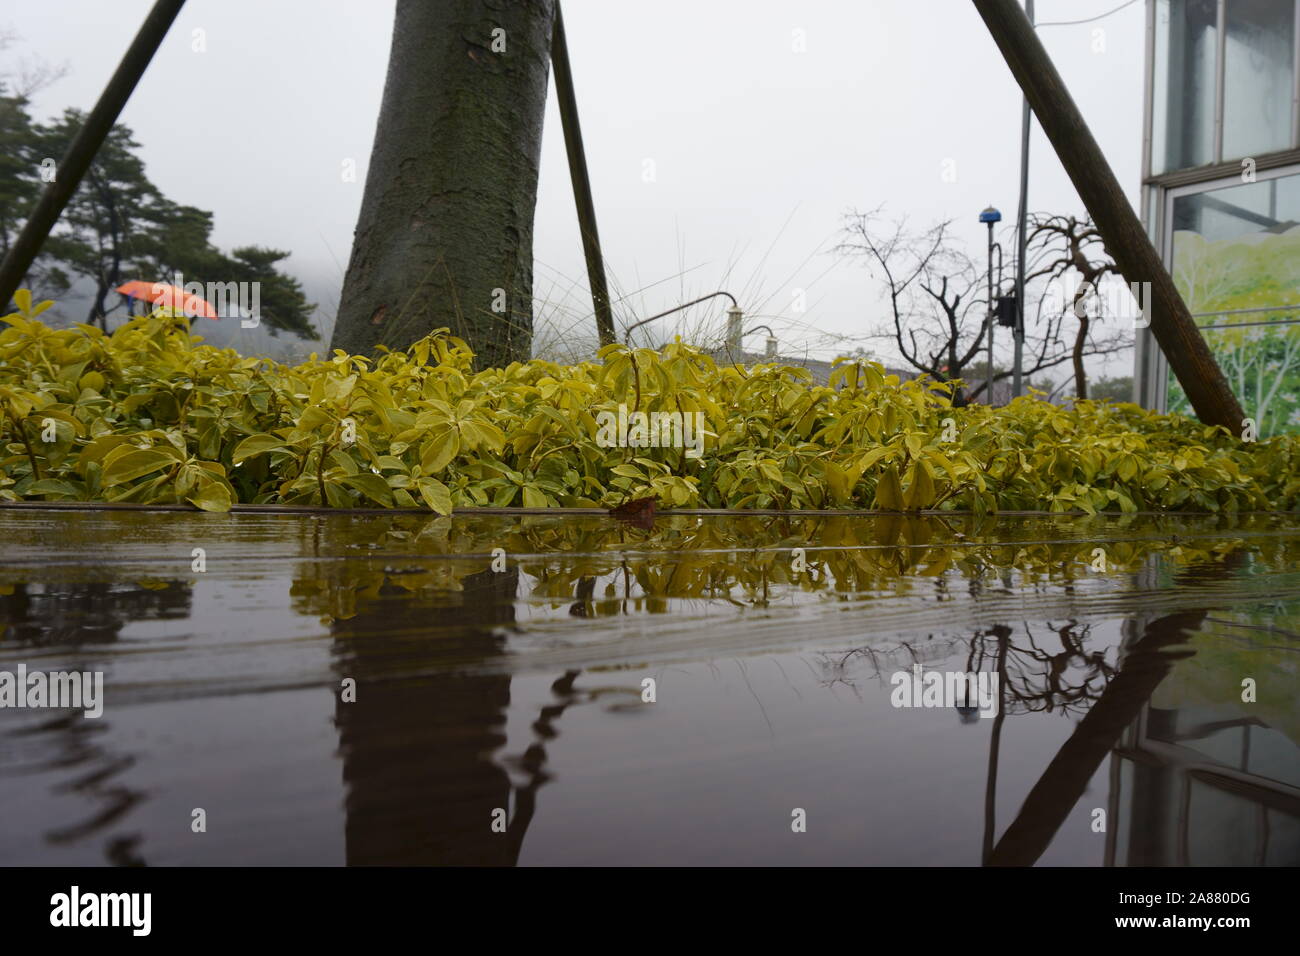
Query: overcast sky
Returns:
{"type": "Point", "coordinates": [758, 149]}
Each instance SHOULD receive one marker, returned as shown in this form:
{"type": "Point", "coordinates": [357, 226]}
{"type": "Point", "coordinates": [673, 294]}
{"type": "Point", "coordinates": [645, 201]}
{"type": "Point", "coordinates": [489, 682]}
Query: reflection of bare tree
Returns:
{"type": "Point", "coordinates": [1066, 777]}
{"type": "Point", "coordinates": [1054, 671]}
{"type": "Point", "coordinates": [1035, 677]}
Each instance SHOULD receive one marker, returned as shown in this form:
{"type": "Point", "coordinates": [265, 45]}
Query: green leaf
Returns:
{"type": "Point", "coordinates": [313, 417]}
{"type": "Point", "coordinates": [135, 464]}
{"type": "Point", "coordinates": [256, 445]}
{"type": "Point", "coordinates": [439, 451]}
{"type": "Point", "coordinates": [838, 483]}
{"type": "Point", "coordinates": [336, 496]}
{"type": "Point", "coordinates": [212, 496]}
{"type": "Point", "coordinates": [920, 490]}
{"type": "Point", "coordinates": [57, 486]}
{"type": "Point", "coordinates": [372, 486]}
{"type": "Point", "coordinates": [435, 495]}
{"type": "Point", "coordinates": [889, 491]}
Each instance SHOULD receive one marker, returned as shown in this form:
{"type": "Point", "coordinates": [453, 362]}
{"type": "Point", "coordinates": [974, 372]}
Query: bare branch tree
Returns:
{"type": "Point", "coordinates": [937, 308]}
{"type": "Point", "coordinates": [1064, 246]}
{"type": "Point", "coordinates": [27, 76]}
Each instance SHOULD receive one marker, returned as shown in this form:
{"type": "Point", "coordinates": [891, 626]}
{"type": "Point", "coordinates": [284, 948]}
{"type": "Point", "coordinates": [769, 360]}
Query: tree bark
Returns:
{"type": "Point", "coordinates": [445, 234]}
{"type": "Point", "coordinates": [1081, 337]}
{"type": "Point", "coordinates": [1080, 375]}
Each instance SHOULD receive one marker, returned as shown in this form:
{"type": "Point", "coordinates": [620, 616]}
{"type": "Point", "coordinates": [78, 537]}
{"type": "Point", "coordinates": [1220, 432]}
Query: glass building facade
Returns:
{"type": "Point", "coordinates": [1221, 194]}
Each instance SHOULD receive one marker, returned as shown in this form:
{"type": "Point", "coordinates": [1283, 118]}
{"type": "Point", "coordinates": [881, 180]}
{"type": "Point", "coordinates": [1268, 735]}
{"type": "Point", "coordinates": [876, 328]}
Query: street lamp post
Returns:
{"type": "Point", "coordinates": [990, 216]}
{"type": "Point", "coordinates": [1022, 240]}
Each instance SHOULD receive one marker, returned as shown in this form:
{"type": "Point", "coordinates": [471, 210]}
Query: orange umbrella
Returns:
{"type": "Point", "coordinates": [169, 297]}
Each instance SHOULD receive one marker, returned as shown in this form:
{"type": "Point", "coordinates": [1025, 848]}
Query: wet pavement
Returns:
{"type": "Point", "coordinates": [487, 689]}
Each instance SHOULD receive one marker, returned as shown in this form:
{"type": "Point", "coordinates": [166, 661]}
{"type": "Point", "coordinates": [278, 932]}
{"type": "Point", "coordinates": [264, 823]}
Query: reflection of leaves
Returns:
{"type": "Point", "coordinates": [718, 559]}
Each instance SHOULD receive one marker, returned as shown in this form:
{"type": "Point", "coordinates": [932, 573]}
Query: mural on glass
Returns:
{"type": "Point", "coordinates": [1236, 262]}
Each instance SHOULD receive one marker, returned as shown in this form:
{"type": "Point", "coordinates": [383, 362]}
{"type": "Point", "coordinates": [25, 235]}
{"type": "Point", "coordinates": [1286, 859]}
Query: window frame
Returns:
{"type": "Point", "coordinates": [1150, 367]}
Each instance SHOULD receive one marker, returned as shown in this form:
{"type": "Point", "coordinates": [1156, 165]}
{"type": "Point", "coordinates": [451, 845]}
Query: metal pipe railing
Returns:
{"type": "Point", "coordinates": [704, 298]}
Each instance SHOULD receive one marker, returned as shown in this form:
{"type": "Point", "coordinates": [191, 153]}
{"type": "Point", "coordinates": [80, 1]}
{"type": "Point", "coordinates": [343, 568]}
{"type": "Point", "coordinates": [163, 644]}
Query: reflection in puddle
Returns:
{"type": "Point", "coordinates": [401, 689]}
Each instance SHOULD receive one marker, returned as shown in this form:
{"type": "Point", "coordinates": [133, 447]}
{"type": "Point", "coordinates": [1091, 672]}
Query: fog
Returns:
{"type": "Point", "coordinates": [761, 123]}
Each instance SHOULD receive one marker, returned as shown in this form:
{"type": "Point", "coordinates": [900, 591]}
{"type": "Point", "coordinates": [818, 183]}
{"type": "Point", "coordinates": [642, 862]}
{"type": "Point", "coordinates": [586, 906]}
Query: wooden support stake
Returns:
{"type": "Point", "coordinates": [568, 104]}
{"type": "Point", "coordinates": [84, 146]}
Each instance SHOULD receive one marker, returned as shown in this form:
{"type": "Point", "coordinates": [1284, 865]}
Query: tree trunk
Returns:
{"type": "Point", "coordinates": [1080, 376]}
{"type": "Point", "coordinates": [1081, 337]}
{"type": "Point", "coordinates": [445, 234]}
{"type": "Point", "coordinates": [96, 314]}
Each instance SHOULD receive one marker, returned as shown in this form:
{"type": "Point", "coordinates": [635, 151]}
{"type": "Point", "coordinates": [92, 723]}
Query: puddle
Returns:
{"type": "Point", "coordinates": [500, 669]}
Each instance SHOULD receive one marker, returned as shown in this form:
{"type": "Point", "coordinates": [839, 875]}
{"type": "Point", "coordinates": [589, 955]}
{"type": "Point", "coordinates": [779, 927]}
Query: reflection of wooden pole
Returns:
{"type": "Point", "coordinates": [1126, 242]}
{"type": "Point", "coordinates": [568, 104]}
{"type": "Point", "coordinates": [84, 146]}
{"type": "Point", "coordinates": [1067, 776]}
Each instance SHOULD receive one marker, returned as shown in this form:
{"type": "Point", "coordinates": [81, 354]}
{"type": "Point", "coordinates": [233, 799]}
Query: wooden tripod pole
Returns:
{"type": "Point", "coordinates": [568, 103]}
{"type": "Point", "coordinates": [84, 146]}
{"type": "Point", "coordinates": [1126, 241]}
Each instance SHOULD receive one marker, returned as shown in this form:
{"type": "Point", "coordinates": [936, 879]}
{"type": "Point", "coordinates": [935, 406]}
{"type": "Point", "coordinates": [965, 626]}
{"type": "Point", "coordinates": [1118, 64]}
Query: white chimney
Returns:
{"type": "Point", "coordinates": [735, 329]}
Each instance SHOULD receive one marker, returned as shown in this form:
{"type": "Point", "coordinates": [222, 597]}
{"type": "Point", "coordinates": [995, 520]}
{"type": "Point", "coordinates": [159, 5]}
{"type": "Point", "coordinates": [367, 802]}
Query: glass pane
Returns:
{"type": "Point", "coordinates": [1259, 73]}
{"type": "Point", "coordinates": [1223, 828]}
{"type": "Point", "coordinates": [1236, 258]}
{"type": "Point", "coordinates": [1281, 838]}
{"type": "Point", "coordinates": [1201, 712]}
{"type": "Point", "coordinates": [1182, 116]}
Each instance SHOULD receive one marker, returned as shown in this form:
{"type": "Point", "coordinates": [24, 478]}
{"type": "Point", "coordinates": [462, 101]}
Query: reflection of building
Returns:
{"type": "Point", "coordinates": [1193, 792]}
{"type": "Point", "coordinates": [1221, 194]}
{"type": "Point", "coordinates": [1201, 777]}
{"type": "Point", "coordinates": [63, 614]}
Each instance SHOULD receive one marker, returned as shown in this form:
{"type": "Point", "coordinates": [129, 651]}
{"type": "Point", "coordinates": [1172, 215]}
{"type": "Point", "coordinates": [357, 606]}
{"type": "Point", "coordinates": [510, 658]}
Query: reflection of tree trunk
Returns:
{"type": "Point", "coordinates": [422, 783]}
{"type": "Point", "coordinates": [1066, 777]}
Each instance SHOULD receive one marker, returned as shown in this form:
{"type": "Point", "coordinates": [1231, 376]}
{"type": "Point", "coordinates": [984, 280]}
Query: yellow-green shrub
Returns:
{"type": "Point", "coordinates": [148, 414]}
